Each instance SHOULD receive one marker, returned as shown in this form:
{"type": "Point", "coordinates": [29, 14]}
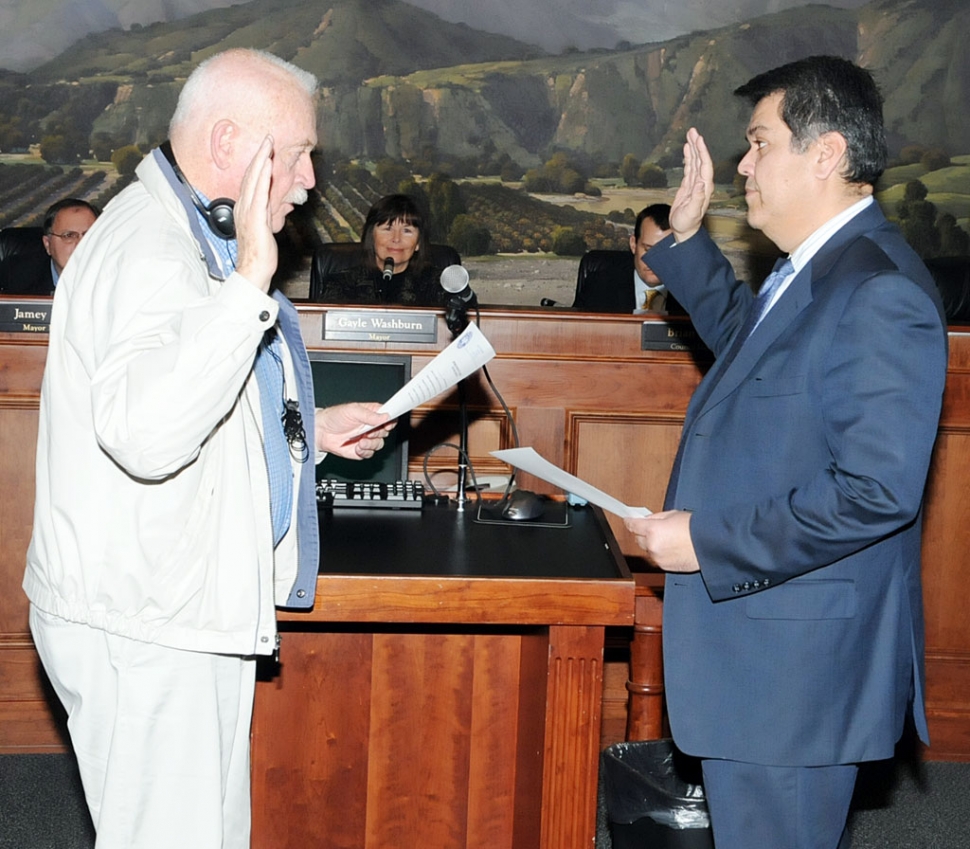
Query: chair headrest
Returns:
{"type": "Point", "coordinates": [603, 260]}
{"type": "Point", "coordinates": [952, 276]}
{"type": "Point", "coordinates": [22, 241]}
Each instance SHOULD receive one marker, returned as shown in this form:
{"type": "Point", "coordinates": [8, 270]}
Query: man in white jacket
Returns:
{"type": "Point", "coordinates": [175, 491]}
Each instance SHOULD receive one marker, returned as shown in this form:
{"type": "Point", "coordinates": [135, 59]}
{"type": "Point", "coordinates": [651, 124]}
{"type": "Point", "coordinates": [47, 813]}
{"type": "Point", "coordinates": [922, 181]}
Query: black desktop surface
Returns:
{"type": "Point", "coordinates": [444, 541]}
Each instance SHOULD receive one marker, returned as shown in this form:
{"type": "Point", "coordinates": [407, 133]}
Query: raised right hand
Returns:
{"type": "Point", "coordinates": [696, 189]}
{"type": "Point", "coordinates": [258, 253]}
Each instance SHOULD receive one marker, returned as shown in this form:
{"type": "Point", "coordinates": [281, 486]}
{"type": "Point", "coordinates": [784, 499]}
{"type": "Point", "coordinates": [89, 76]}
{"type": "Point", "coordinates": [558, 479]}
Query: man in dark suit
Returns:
{"type": "Point", "coordinates": [793, 622]}
{"type": "Point", "coordinates": [624, 283]}
{"type": "Point", "coordinates": [35, 269]}
{"type": "Point", "coordinates": [65, 224]}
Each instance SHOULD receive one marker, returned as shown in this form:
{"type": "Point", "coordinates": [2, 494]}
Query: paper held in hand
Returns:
{"type": "Point", "coordinates": [466, 354]}
{"type": "Point", "coordinates": [529, 460]}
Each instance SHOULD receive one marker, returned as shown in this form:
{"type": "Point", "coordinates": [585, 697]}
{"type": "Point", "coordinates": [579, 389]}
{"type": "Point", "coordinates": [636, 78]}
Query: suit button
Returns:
{"type": "Point", "coordinates": [264, 315]}
{"type": "Point", "coordinates": [736, 588]}
{"type": "Point", "coordinates": [747, 585]}
{"type": "Point", "coordinates": [756, 584]}
{"type": "Point", "coordinates": [764, 583]}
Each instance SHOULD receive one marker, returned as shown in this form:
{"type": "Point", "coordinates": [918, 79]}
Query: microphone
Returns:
{"type": "Point", "coordinates": [388, 271]}
{"type": "Point", "coordinates": [454, 280]}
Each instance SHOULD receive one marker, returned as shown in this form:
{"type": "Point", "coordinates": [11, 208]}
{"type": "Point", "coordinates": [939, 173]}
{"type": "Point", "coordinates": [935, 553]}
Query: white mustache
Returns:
{"type": "Point", "coordinates": [297, 196]}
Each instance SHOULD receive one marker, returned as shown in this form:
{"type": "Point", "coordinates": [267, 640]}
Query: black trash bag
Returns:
{"type": "Point", "coordinates": [654, 798]}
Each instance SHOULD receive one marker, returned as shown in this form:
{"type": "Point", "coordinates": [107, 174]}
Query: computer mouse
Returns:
{"type": "Point", "coordinates": [523, 505]}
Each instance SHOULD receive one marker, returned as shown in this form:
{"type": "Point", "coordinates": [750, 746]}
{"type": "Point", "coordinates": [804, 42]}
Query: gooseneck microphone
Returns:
{"type": "Point", "coordinates": [454, 280]}
{"type": "Point", "coordinates": [388, 271]}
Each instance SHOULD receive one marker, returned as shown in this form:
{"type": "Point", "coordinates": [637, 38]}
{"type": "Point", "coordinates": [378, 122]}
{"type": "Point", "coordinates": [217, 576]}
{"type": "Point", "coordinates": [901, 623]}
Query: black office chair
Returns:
{"type": "Point", "coordinates": [952, 276]}
{"type": "Point", "coordinates": [24, 263]}
{"type": "Point", "coordinates": [335, 257]}
{"type": "Point", "coordinates": [611, 265]}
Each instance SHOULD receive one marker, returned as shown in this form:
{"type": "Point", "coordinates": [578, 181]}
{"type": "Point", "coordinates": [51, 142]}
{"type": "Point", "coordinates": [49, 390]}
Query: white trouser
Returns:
{"type": "Point", "coordinates": [161, 736]}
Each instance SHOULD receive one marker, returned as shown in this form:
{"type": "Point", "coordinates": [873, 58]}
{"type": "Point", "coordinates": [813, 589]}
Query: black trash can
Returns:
{"type": "Point", "coordinates": [654, 798]}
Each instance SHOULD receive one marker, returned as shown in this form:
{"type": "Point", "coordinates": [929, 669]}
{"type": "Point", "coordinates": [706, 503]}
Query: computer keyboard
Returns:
{"type": "Point", "coordinates": [402, 495]}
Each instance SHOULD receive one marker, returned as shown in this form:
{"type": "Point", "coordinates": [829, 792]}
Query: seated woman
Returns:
{"type": "Point", "coordinates": [393, 265]}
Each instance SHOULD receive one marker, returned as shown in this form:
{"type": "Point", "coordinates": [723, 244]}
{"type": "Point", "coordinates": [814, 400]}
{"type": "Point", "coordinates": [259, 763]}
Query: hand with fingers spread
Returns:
{"type": "Point", "coordinates": [258, 252]}
{"type": "Point", "coordinates": [696, 189]}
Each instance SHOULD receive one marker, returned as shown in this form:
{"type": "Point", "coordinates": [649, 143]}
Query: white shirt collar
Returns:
{"type": "Point", "coordinates": [640, 289]}
{"type": "Point", "coordinates": [813, 244]}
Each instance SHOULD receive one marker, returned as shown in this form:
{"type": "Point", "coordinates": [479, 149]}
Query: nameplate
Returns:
{"type": "Point", "coordinates": [380, 326]}
{"type": "Point", "coordinates": [25, 316]}
{"type": "Point", "coordinates": [670, 336]}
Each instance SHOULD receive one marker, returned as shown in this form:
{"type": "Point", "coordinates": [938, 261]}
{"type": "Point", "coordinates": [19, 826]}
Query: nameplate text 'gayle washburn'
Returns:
{"type": "Point", "coordinates": [380, 326]}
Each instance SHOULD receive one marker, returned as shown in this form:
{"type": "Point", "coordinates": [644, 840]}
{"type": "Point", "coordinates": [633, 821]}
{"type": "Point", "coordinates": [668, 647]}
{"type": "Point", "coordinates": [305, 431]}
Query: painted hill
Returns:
{"type": "Point", "coordinates": [398, 81]}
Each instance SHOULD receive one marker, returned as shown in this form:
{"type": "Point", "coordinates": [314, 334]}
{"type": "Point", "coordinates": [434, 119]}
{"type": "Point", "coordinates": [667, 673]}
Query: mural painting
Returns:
{"type": "Point", "coordinates": [533, 134]}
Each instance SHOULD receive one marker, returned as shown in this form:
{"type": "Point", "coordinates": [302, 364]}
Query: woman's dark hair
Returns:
{"type": "Point", "coordinates": [823, 94]}
{"type": "Point", "coordinates": [389, 209]}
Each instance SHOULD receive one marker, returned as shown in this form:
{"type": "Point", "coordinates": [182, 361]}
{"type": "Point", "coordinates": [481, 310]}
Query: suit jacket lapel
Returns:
{"type": "Point", "coordinates": [796, 297]}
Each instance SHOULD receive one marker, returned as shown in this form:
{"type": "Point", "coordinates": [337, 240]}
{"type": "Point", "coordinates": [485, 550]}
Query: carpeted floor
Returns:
{"type": "Point", "coordinates": [900, 805]}
{"type": "Point", "coordinates": [905, 803]}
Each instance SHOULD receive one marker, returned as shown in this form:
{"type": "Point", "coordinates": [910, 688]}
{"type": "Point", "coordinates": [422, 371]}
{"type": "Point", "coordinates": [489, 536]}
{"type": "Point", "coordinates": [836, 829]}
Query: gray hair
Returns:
{"type": "Point", "coordinates": [203, 88]}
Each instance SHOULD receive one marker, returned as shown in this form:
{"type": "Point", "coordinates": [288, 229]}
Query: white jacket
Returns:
{"type": "Point", "coordinates": [152, 506]}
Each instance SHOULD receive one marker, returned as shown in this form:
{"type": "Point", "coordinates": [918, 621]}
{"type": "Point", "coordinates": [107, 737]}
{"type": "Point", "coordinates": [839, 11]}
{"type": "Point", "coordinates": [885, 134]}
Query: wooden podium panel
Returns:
{"type": "Point", "coordinates": [587, 397]}
{"type": "Point", "coordinates": [450, 697]}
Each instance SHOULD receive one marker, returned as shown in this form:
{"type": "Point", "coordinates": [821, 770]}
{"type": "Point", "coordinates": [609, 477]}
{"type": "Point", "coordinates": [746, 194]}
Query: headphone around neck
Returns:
{"type": "Point", "coordinates": [218, 213]}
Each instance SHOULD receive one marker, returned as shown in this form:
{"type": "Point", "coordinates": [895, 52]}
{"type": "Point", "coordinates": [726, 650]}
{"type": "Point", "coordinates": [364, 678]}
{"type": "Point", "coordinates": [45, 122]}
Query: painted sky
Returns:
{"type": "Point", "coordinates": [584, 24]}
{"type": "Point", "coordinates": [33, 31]}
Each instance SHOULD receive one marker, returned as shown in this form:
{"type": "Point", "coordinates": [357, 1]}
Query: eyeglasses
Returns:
{"type": "Point", "coordinates": [70, 236]}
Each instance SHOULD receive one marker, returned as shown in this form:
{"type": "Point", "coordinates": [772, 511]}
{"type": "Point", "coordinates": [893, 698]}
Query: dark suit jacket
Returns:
{"type": "Point", "coordinates": [803, 461]}
{"type": "Point", "coordinates": [604, 283]}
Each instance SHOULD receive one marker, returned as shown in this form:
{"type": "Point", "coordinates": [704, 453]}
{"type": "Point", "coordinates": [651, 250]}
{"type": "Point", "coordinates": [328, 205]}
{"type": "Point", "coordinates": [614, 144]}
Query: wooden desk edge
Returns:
{"type": "Point", "coordinates": [491, 600]}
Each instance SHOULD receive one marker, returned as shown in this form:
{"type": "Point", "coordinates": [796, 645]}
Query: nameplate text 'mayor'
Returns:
{"type": "Point", "coordinates": [25, 316]}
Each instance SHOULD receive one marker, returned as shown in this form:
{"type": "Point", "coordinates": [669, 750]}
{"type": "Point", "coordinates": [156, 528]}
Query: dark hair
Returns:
{"type": "Point", "coordinates": [66, 203]}
{"type": "Point", "coordinates": [658, 213]}
{"type": "Point", "coordinates": [824, 94]}
{"type": "Point", "coordinates": [389, 209]}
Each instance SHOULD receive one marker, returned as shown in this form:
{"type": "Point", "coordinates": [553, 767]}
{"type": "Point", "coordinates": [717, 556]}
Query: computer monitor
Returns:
{"type": "Point", "coordinates": [339, 377]}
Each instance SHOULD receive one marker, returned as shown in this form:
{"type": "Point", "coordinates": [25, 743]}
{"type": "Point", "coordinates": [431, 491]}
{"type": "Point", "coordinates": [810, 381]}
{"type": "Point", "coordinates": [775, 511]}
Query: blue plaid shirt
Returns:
{"type": "Point", "coordinates": [268, 367]}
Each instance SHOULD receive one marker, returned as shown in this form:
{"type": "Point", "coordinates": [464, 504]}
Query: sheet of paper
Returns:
{"type": "Point", "coordinates": [529, 460]}
{"type": "Point", "coordinates": [467, 353]}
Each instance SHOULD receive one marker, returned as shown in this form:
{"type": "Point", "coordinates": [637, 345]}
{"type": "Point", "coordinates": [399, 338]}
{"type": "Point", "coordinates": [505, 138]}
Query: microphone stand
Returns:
{"type": "Point", "coordinates": [456, 317]}
{"type": "Point", "coordinates": [460, 497]}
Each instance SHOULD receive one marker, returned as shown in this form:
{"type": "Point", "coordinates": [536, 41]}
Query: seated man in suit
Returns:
{"type": "Point", "coordinates": [627, 284]}
{"type": "Point", "coordinates": [65, 224]}
{"type": "Point", "coordinates": [27, 272]}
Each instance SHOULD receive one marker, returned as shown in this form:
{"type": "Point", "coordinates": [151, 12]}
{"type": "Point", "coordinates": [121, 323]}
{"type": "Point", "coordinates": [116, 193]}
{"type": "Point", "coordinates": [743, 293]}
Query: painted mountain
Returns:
{"type": "Point", "coordinates": [398, 80]}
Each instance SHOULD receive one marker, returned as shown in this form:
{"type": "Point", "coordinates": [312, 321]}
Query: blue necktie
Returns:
{"type": "Point", "coordinates": [269, 375]}
{"type": "Point", "coordinates": [760, 306]}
